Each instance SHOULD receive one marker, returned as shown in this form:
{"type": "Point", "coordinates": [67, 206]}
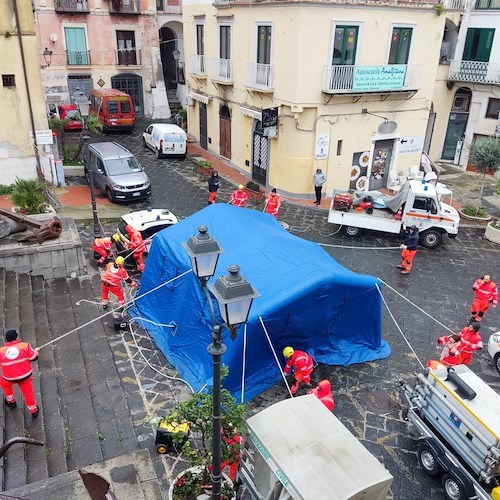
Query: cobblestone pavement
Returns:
{"type": "Point", "coordinates": [366, 395]}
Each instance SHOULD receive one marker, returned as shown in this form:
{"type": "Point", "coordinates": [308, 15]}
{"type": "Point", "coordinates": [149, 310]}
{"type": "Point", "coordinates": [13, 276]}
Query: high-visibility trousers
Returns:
{"type": "Point", "coordinates": [479, 307]}
{"type": "Point", "coordinates": [26, 386]}
{"type": "Point", "coordinates": [115, 290]}
{"type": "Point", "coordinates": [407, 259]}
{"type": "Point", "coordinates": [211, 198]}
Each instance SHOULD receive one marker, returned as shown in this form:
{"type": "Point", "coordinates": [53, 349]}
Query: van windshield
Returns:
{"type": "Point", "coordinates": [122, 166]}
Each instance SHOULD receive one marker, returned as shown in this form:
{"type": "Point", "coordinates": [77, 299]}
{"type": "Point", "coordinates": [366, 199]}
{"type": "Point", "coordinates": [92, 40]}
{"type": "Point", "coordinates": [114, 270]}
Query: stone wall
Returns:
{"type": "Point", "coordinates": [59, 258]}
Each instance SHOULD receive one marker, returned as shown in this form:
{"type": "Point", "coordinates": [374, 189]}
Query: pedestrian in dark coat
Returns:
{"type": "Point", "coordinates": [409, 249]}
{"type": "Point", "coordinates": [213, 186]}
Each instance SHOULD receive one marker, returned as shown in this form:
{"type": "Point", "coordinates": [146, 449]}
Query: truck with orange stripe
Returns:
{"type": "Point", "coordinates": [457, 416]}
{"type": "Point", "coordinates": [415, 203]}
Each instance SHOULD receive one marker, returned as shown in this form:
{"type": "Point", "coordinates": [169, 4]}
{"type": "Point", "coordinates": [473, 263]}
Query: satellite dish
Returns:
{"type": "Point", "coordinates": [387, 127]}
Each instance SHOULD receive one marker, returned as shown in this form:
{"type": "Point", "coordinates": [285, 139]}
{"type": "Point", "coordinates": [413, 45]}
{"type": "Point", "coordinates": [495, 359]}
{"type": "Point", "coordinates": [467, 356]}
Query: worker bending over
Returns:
{"type": "Point", "coordinates": [324, 393]}
{"type": "Point", "coordinates": [302, 364]}
{"type": "Point", "coordinates": [102, 247]}
{"type": "Point", "coordinates": [111, 279]}
{"type": "Point", "coordinates": [239, 198]}
{"type": "Point", "coordinates": [136, 244]}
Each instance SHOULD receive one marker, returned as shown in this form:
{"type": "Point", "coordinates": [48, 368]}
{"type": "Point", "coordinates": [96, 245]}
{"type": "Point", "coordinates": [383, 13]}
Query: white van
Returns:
{"type": "Point", "coordinates": [165, 140]}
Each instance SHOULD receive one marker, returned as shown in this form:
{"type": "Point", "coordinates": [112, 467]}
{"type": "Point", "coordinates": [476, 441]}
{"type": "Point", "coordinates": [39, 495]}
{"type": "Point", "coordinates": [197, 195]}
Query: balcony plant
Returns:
{"type": "Point", "coordinates": [197, 412]}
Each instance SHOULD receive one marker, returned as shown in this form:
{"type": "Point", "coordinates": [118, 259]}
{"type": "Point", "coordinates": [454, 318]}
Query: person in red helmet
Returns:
{"type": "Point", "coordinates": [239, 198]}
{"type": "Point", "coordinates": [136, 243]}
{"type": "Point", "coordinates": [324, 393]}
{"type": "Point", "coordinates": [111, 279]}
{"type": "Point", "coordinates": [485, 291]}
{"type": "Point", "coordinates": [15, 361]}
{"type": "Point", "coordinates": [273, 203]}
{"type": "Point", "coordinates": [102, 247]}
{"type": "Point", "coordinates": [302, 364]}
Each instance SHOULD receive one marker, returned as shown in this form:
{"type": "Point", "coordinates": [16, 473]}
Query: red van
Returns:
{"type": "Point", "coordinates": [114, 109]}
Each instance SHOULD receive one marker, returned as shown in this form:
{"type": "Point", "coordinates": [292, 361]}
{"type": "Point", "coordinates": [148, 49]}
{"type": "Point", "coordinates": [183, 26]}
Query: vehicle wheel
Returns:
{"type": "Point", "coordinates": [453, 488]}
{"type": "Point", "coordinates": [431, 238]}
{"type": "Point", "coordinates": [158, 154]}
{"type": "Point", "coordinates": [497, 361]}
{"type": "Point", "coordinates": [162, 449]}
{"type": "Point", "coordinates": [429, 462]}
{"type": "Point", "coordinates": [144, 143]}
{"type": "Point", "coordinates": [351, 230]}
{"type": "Point", "coordinates": [110, 196]}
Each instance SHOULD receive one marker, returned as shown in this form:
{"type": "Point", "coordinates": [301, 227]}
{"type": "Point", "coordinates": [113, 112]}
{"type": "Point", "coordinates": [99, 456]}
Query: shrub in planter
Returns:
{"type": "Point", "coordinates": [253, 186]}
{"type": "Point", "coordinates": [472, 211]}
{"type": "Point", "coordinates": [28, 197]}
{"type": "Point", "coordinates": [204, 164]}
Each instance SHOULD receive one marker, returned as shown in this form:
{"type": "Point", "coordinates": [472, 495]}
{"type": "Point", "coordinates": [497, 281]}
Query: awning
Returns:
{"type": "Point", "coordinates": [199, 97]}
{"type": "Point", "coordinates": [251, 112]}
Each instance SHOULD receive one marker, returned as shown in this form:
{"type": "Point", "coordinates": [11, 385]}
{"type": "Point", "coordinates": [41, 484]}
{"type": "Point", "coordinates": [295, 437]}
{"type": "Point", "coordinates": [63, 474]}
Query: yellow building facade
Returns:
{"type": "Point", "coordinates": [21, 93]}
{"type": "Point", "coordinates": [352, 87]}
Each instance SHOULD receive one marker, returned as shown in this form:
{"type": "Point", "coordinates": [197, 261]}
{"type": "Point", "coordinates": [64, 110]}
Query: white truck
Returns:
{"type": "Point", "coordinates": [414, 204]}
{"type": "Point", "coordinates": [458, 418]}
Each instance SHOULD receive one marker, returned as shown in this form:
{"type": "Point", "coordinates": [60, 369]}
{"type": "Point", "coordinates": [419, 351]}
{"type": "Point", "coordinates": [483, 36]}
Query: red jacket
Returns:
{"type": "Point", "coordinates": [301, 361]}
{"type": "Point", "coordinates": [113, 275]}
{"type": "Point", "coordinates": [15, 360]}
{"type": "Point", "coordinates": [470, 341]}
{"type": "Point", "coordinates": [324, 393]}
{"type": "Point", "coordinates": [273, 204]}
{"type": "Point", "coordinates": [105, 243]}
{"type": "Point", "coordinates": [486, 291]}
{"type": "Point", "coordinates": [239, 198]}
{"type": "Point", "coordinates": [135, 238]}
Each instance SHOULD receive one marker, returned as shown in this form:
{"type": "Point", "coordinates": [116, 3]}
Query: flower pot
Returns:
{"type": "Point", "coordinates": [197, 469]}
{"type": "Point", "coordinates": [254, 195]}
{"type": "Point", "coordinates": [492, 234]}
{"type": "Point", "coordinates": [205, 172]}
{"type": "Point", "coordinates": [474, 218]}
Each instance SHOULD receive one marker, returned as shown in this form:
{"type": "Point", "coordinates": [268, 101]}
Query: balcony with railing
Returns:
{"type": "Point", "coordinates": [124, 7]}
{"type": "Point", "coordinates": [474, 72]}
{"type": "Point", "coordinates": [456, 5]}
{"type": "Point", "coordinates": [78, 57]}
{"type": "Point", "coordinates": [351, 79]}
{"type": "Point", "coordinates": [128, 57]}
{"type": "Point", "coordinates": [78, 6]}
{"type": "Point", "coordinates": [197, 65]}
{"type": "Point", "coordinates": [222, 71]}
{"type": "Point", "coordinates": [260, 77]}
{"type": "Point", "coordinates": [487, 5]}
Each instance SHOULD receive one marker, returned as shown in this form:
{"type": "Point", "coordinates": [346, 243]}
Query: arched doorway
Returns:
{"type": "Point", "coordinates": [225, 132]}
{"type": "Point", "coordinates": [457, 123]}
{"type": "Point", "coordinates": [168, 44]}
{"type": "Point", "coordinates": [260, 154]}
{"type": "Point", "coordinates": [131, 84]}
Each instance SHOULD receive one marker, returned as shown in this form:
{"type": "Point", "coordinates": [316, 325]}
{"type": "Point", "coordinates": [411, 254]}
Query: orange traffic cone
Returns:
{"type": "Point", "coordinates": [399, 213]}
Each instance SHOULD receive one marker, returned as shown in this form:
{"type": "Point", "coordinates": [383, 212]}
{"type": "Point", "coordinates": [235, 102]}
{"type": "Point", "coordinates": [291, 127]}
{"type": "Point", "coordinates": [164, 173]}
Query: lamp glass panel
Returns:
{"type": "Point", "coordinates": [235, 313]}
{"type": "Point", "coordinates": [204, 265]}
{"type": "Point", "coordinates": [84, 108]}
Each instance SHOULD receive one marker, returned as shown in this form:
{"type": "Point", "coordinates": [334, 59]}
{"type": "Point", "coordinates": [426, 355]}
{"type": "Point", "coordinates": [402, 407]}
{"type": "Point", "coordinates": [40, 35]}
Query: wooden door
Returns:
{"type": "Point", "coordinates": [203, 126]}
{"type": "Point", "coordinates": [225, 132]}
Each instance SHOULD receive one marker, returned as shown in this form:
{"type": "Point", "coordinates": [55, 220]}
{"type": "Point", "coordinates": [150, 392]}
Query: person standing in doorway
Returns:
{"type": "Point", "coordinates": [213, 186]}
{"type": "Point", "coordinates": [318, 180]}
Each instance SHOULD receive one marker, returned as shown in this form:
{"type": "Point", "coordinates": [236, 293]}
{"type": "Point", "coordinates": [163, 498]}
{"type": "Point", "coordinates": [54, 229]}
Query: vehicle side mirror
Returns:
{"type": "Point", "coordinates": [100, 170]}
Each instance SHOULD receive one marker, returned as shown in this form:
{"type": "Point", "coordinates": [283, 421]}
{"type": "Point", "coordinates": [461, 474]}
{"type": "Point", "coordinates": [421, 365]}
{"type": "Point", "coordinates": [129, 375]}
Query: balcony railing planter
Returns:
{"type": "Point", "coordinates": [71, 6]}
{"type": "Point", "coordinates": [124, 7]}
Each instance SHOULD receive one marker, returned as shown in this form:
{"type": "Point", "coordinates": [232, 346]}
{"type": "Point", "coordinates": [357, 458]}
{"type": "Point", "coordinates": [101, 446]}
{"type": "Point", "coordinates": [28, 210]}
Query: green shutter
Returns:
{"type": "Point", "coordinates": [484, 44]}
{"type": "Point", "coordinates": [468, 44]}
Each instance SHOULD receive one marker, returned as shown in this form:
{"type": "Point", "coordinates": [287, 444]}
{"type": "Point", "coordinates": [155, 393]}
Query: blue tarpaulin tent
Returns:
{"type": "Point", "coordinates": [307, 300]}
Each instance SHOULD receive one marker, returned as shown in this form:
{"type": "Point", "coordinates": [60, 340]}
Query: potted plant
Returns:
{"type": "Point", "coordinates": [27, 196]}
{"type": "Point", "coordinates": [492, 232]}
{"type": "Point", "coordinates": [253, 191]}
{"type": "Point", "coordinates": [473, 213]}
{"type": "Point", "coordinates": [197, 413]}
{"type": "Point", "coordinates": [204, 168]}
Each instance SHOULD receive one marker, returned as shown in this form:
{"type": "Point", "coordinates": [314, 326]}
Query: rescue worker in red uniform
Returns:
{"type": "Point", "coordinates": [303, 365]}
{"type": "Point", "coordinates": [273, 203]}
{"type": "Point", "coordinates": [111, 279]}
{"type": "Point", "coordinates": [409, 249]}
{"type": "Point", "coordinates": [451, 355]}
{"type": "Point", "coordinates": [324, 393]}
{"type": "Point", "coordinates": [136, 243]}
{"type": "Point", "coordinates": [239, 198]}
{"type": "Point", "coordinates": [485, 291]}
{"type": "Point", "coordinates": [102, 247]}
{"type": "Point", "coordinates": [15, 362]}
{"type": "Point", "coordinates": [470, 341]}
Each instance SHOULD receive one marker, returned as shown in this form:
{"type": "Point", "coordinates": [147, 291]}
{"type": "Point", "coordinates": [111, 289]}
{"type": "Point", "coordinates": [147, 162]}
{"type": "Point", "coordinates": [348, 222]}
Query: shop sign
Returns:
{"type": "Point", "coordinates": [374, 78]}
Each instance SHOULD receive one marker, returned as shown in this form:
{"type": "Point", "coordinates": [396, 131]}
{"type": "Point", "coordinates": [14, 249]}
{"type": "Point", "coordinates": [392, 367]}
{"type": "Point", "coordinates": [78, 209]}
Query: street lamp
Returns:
{"type": "Point", "coordinates": [47, 56]}
{"type": "Point", "coordinates": [176, 55]}
{"type": "Point", "coordinates": [234, 295]}
{"type": "Point", "coordinates": [83, 105]}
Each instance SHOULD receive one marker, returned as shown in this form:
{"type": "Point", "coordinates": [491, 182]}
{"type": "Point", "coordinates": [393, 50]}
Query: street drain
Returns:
{"type": "Point", "coordinates": [379, 402]}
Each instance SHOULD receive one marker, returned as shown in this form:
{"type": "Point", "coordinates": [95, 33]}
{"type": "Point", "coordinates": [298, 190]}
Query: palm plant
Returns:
{"type": "Point", "coordinates": [27, 194]}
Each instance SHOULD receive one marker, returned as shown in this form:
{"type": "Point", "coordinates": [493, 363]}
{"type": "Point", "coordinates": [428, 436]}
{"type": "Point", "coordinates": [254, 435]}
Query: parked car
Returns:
{"type": "Point", "coordinates": [71, 112]}
{"type": "Point", "coordinates": [494, 349]}
{"type": "Point", "coordinates": [116, 172]}
{"type": "Point", "coordinates": [114, 109]}
{"type": "Point", "coordinates": [165, 140]}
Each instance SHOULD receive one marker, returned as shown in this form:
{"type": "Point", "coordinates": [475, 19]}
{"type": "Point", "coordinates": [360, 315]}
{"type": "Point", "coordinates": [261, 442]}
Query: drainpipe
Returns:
{"type": "Point", "coordinates": [28, 94]}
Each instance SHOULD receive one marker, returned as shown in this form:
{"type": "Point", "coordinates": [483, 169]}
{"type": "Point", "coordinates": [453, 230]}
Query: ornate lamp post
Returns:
{"type": "Point", "coordinates": [234, 295]}
{"type": "Point", "coordinates": [83, 105]}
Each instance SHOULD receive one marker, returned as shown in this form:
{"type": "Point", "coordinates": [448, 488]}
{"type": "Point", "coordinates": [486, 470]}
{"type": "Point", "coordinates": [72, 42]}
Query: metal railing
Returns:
{"type": "Point", "coordinates": [128, 57]}
{"type": "Point", "coordinates": [222, 70]}
{"type": "Point", "coordinates": [78, 57]}
{"type": "Point", "coordinates": [487, 5]}
{"type": "Point", "coordinates": [197, 65]}
{"type": "Point", "coordinates": [124, 7]}
{"type": "Point", "coordinates": [342, 79]}
{"type": "Point", "coordinates": [475, 72]}
{"type": "Point", "coordinates": [260, 76]}
{"type": "Point", "coordinates": [71, 6]}
{"type": "Point", "coordinates": [459, 5]}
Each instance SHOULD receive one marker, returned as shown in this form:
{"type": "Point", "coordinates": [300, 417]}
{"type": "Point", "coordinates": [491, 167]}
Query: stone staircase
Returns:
{"type": "Point", "coordinates": [173, 102]}
{"type": "Point", "coordinates": [91, 410]}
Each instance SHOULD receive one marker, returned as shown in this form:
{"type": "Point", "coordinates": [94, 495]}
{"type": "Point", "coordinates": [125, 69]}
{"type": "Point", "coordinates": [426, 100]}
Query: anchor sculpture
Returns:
{"type": "Point", "coordinates": [42, 231]}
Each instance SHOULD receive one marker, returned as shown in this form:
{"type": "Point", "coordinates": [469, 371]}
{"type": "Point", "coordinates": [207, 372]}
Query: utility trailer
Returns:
{"type": "Point", "coordinates": [458, 418]}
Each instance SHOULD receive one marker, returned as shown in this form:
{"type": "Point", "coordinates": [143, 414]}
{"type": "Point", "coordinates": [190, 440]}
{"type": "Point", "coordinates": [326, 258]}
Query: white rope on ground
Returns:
{"type": "Point", "coordinates": [130, 302]}
{"type": "Point", "coordinates": [359, 248]}
{"type": "Point", "coordinates": [244, 363]}
{"type": "Point", "coordinates": [397, 326]}
{"type": "Point", "coordinates": [274, 354]}
{"type": "Point", "coordinates": [419, 308]}
{"type": "Point", "coordinates": [135, 318]}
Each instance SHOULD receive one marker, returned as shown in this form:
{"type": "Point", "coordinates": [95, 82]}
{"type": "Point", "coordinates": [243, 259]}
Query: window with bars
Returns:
{"type": "Point", "coordinates": [9, 80]}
